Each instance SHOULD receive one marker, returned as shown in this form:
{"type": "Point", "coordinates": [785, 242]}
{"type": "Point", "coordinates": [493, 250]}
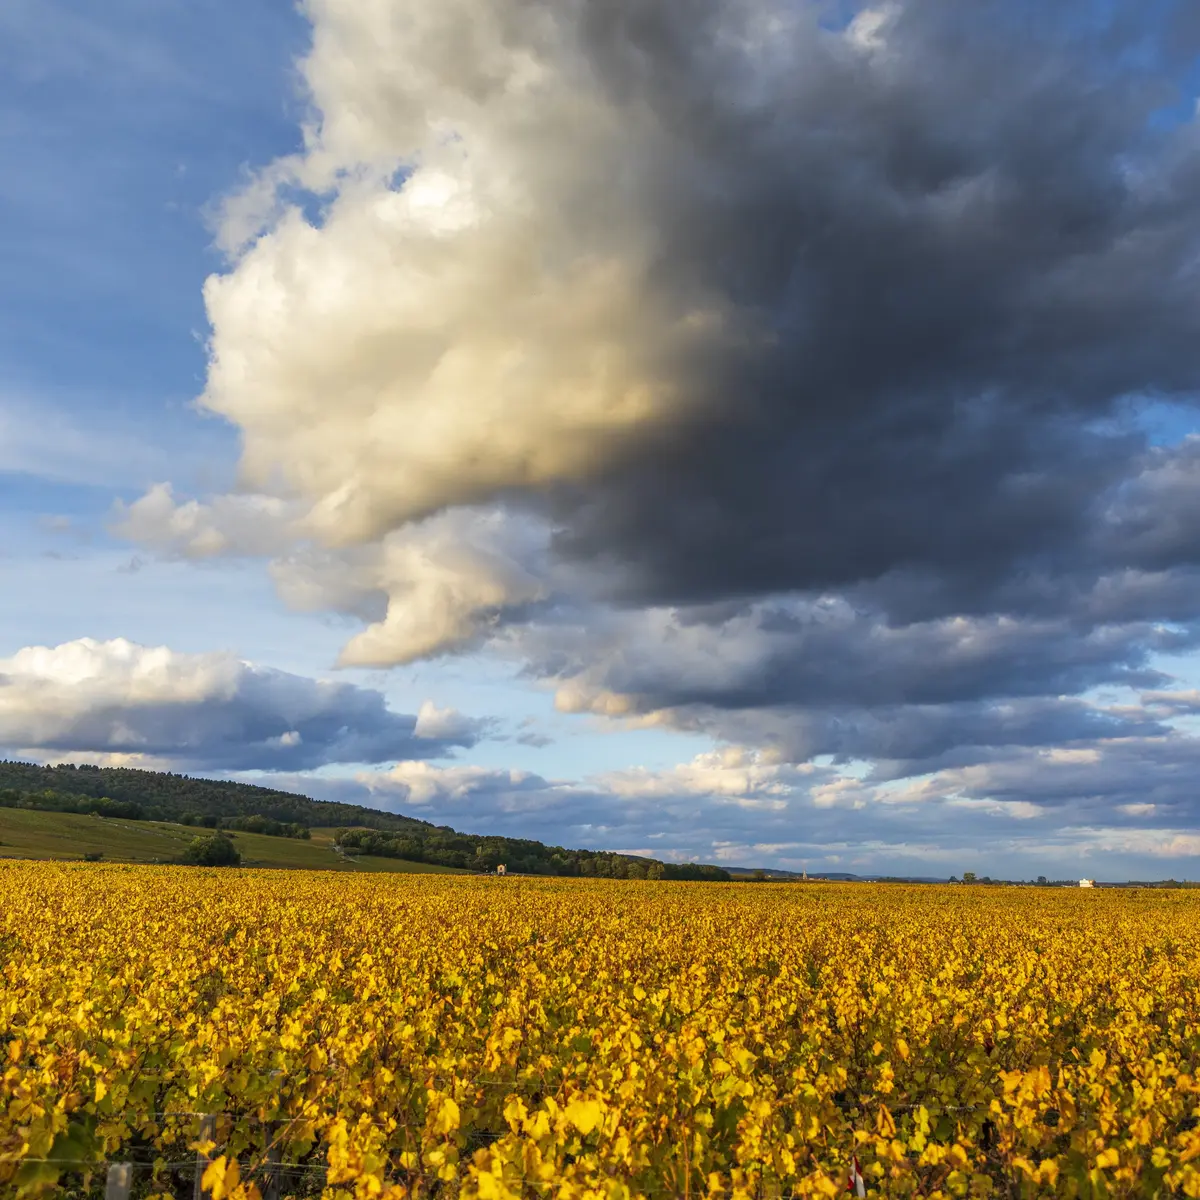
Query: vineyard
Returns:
{"type": "Point", "coordinates": [294, 1033]}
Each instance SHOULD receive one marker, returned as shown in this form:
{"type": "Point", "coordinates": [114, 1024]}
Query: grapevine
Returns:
{"type": "Point", "coordinates": [394, 1036]}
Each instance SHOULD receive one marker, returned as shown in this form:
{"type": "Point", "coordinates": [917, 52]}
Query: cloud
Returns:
{"type": "Point", "coordinates": [746, 778]}
{"type": "Point", "coordinates": [738, 370]}
{"type": "Point", "coordinates": [1042, 809]}
{"type": "Point", "coordinates": [203, 711]}
{"type": "Point", "coordinates": [748, 298]}
{"type": "Point", "coordinates": [809, 678]}
{"type": "Point", "coordinates": [420, 784]}
{"type": "Point", "coordinates": [431, 587]}
{"type": "Point", "coordinates": [229, 525]}
{"type": "Point", "coordinates": [447, 582]}
{"type": "Point", "coordinates": [448, 725]}
{"type": "Point", "coordinates": [827, 653]}
{"type": "Point", "coordinates": [1111, 778]}
{"type": "Point", "coordinates": [610, 810]}
{"type": "Point", "coordinates": [740, 304]}
{"type": "Point", "coordinates": [906, 740]}
{"type": "Point", "coordinates": [1152, 519]}
{"type": "Point", "coordinates": [486, 321]}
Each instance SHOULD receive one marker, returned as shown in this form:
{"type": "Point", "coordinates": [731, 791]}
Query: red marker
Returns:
{"type": "Point", "coordinates": [855, 1183]}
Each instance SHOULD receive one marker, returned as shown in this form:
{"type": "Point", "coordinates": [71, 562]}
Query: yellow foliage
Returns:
{"type": "Point", "coordinates": [585, 1115]}
{"type": "Point", "coordinates": [400, 1036]}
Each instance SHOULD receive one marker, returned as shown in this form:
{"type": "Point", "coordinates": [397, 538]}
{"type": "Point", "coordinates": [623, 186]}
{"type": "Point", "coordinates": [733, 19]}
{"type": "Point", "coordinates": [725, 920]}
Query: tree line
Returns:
{"type": "Point", "coordinates": [129, 810]}
{"type": "Point", "coordinates": [446, 848]}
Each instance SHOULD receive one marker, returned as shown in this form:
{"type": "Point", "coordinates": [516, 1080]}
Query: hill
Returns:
{"type": "Point", "coordinates": [128, 795]}
{"type": "Point", "coordinates": [34, 833]}
{"type": "Point", "coordinates": [164, 796]}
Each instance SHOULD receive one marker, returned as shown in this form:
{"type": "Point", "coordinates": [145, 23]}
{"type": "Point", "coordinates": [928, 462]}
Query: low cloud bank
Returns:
{"type": "Point", "coordinates": [119, 702]}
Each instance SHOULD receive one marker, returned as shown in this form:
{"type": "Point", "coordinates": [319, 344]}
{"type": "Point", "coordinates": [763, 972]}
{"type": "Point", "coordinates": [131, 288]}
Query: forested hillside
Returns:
{"type": "Point", "coordinates": [164, 797]}
{"type": "Point", "coordinates": [159, 796]}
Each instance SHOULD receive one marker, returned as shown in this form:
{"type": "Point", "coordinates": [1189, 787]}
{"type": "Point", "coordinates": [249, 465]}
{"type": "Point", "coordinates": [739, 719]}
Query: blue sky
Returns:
{"type": "Point", "coordinates": [632, 634]}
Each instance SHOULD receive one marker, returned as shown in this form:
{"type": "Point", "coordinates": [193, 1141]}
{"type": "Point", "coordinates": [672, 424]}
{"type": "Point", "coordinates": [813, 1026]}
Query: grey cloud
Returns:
{"type": "Point", "coordinates": [901, 741]}
{"type": "Point", "coordinates": [1098, 779]}
{"type": "Point", "coordinates": [1153, 520]}
{"type": "Point", "coordinates": [826, 655]}
{"type": "Point", "coordinates": [1114, 808]}
{"type": "Point", "coordinates": [809, 679]}
{"type": "Point", "coordinates": [965, 247]}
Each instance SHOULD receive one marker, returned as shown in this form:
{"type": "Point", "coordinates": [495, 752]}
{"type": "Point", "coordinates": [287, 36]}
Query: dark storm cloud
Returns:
{"type": "Point", "coordinates": [1153, 519]}
{"type": "Point", "coordinates": [956, 249]}
{"type": "Point", "coordinates": [907, 740]}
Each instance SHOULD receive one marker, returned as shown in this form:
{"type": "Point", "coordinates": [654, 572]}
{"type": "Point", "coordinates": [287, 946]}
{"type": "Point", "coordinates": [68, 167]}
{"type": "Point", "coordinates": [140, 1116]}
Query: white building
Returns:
{"type": "Point", "coordinates": [1087, 883]}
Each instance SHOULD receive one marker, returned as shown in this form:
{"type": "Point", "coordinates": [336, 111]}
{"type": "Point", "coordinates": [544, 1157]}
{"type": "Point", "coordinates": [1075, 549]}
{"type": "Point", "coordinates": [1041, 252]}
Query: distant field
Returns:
{"type": "Point", "coordinates": [25, 833]}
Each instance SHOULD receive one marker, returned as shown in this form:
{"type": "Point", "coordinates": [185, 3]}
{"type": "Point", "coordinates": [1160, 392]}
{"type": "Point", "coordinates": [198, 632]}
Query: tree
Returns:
{"type": "Point", "coordinates": [968, 877]}
{"type": "Point", "coordinates": [1042, 880]}
{"type": "Point", "coordinates": [216, 850]}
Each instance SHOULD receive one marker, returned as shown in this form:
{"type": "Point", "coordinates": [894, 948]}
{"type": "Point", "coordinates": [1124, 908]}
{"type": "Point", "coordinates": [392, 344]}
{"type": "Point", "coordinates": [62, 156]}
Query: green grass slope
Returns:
{"type": "Point", "coordinates": [26, 833]}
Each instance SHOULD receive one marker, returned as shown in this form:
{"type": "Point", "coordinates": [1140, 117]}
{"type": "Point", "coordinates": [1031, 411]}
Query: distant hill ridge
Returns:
{"type": "Point", "coordinates": [168, 797]}
{"type": "Point", "coordinates": [162, 796]}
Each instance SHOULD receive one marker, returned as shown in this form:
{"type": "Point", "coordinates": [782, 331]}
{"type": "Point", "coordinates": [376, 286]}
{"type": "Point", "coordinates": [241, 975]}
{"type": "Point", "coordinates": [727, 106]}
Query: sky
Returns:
{"type": "Point", "coordinates": [759, 432]}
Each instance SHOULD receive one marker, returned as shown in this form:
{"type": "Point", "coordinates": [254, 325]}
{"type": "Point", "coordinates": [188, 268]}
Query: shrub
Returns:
{"type": "Point", "coordinates": [217, 850]}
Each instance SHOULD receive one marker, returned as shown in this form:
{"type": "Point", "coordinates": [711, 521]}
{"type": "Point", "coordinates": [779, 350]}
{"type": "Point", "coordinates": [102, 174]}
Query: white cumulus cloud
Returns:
{"type": "Point", "coordinates": [228, 525]}
{"type": "Point", "coordinates": [468, 316]}
{"type": "Point", "coordinates": [203, 711]}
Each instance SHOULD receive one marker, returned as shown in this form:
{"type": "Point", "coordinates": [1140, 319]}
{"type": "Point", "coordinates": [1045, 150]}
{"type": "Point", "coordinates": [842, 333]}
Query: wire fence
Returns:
{"type": "Point", "coordinates": [276, 1179]}
{"type": "Point", "coordinates": [277, 1182]}
{"type": "Point", "coordinates": [265, 1166]}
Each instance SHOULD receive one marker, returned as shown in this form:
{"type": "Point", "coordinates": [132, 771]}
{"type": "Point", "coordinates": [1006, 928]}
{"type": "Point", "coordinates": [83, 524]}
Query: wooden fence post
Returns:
{"type": "Point", "coordinates": [271, 1191]}
{"type": "Point", "coordinates": [207, 1127]}
{"type": "Point", "coordinates": [120, 1178]}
